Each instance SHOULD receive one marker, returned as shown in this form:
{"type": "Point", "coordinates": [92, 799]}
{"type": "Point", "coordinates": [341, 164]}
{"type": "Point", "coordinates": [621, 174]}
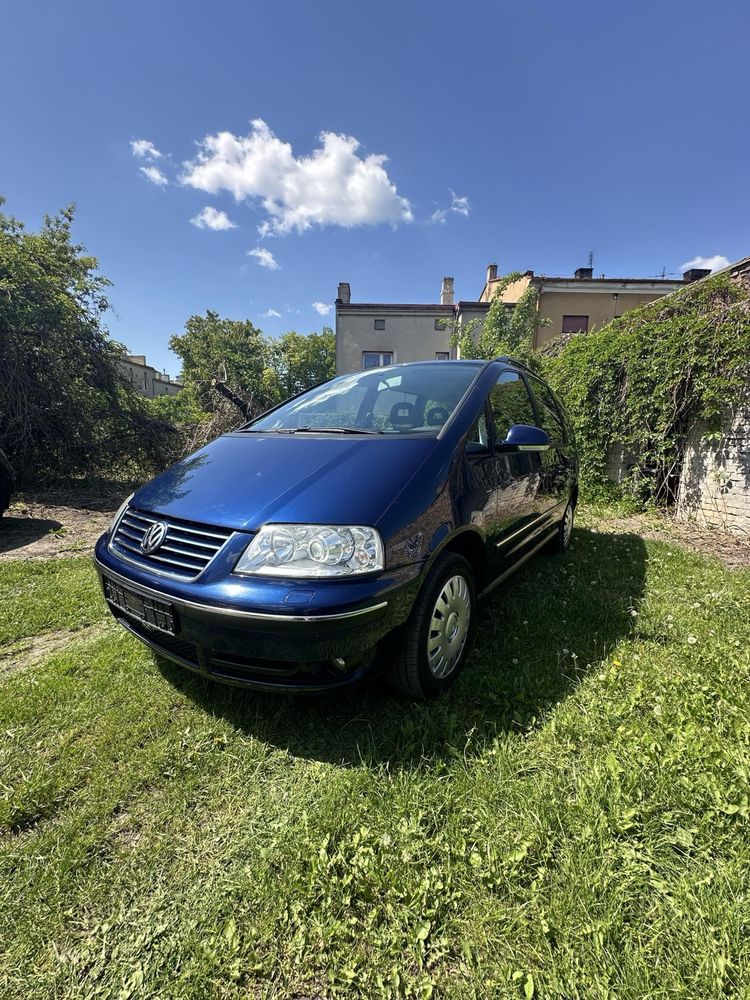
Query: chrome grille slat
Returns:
{"type": "Point", "coordinates": [185, 552]}
{"type": "Point", "coordinates": [172, 562]}
{"type": "Point", "coordinates": [182, 527]}
{"type": "Point", "coordinates": [200, 557]}
{"type": "Point", "coordinates": [131, 534]}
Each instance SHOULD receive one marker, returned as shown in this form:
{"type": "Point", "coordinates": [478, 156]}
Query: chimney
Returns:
{"type": "Point", "coordinates": [446, 292]}
{"type": "Point", "coordinates": [344, 296]}
{"type": "Point", "coordinates": [695, 274]}
{"type": "Point", "coordinates": [491, 273]}
{"type": "Point", "coordinates": [584, 272]}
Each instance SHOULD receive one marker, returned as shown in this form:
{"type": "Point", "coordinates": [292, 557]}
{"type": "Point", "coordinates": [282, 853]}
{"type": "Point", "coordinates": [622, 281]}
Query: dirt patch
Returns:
{"type": "Point", "coordinates": [54, 526]}
{"type": "Point", "coordinates": [28, 652]}
{"type": "Point", "coordinates": [733, 551]}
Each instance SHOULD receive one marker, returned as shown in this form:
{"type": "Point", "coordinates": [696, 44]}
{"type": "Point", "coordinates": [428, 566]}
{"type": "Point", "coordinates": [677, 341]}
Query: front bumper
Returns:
{"type": "Point", "coordinates": [241, 636]}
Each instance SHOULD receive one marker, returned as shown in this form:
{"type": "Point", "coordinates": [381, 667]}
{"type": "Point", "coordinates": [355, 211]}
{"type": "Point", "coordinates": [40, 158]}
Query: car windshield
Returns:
{"type": "Point", "coordinates": [407, 399]}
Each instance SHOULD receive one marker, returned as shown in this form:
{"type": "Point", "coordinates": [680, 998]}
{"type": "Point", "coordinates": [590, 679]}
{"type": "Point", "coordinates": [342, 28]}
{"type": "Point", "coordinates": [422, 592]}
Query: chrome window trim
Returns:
{"type": "Point", "coordinates": [236, 612]}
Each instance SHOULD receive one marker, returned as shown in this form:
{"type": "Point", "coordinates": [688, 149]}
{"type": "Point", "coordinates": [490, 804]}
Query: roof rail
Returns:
{"type": "Point", "coordinates": [506, 359]}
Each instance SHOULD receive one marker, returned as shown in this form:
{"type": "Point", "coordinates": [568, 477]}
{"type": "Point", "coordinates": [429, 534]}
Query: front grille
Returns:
{"type": "Point", "coordinates": [185, 551]}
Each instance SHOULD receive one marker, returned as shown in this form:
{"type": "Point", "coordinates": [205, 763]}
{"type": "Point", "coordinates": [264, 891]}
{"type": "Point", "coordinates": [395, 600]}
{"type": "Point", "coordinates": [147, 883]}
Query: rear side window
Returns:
{"type": "Point", "coordinates": [550, 418]}
{"type": "Point", "coordinates": [510, 404]}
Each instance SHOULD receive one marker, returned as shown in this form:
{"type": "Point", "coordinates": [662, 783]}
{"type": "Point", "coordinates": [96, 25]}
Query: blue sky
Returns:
{"type": "Point", "coordinates": [523, 134]}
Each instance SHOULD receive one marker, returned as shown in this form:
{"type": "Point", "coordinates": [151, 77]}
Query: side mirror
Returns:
{"type": "Point", "coordinates": [524, 437]}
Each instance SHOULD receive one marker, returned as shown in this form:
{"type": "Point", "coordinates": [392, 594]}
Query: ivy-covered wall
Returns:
{"type": "Point", "coordinates": [645, 382]}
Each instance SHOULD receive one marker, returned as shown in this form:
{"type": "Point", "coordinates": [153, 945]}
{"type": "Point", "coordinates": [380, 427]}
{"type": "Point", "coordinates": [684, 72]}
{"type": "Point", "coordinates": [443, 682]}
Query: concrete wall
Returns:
{"type": "Point", "coordinates": [409, 334]}
{"type": "Point", "coordinates": [715, 481]}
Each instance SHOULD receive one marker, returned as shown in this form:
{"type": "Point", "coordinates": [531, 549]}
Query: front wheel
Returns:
{"type": "Point", "coordinates": [438, 630]}
{"type": "Point", "coordinates": [561, 539]}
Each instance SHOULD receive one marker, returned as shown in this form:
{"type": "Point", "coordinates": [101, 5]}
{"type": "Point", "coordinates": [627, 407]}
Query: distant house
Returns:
{"type": "Point", "coordinates": [148, 380]}
{"type": "Point", "coordinates": [372, 334]}
{"type": "Point", "coordinates": [582, 302]}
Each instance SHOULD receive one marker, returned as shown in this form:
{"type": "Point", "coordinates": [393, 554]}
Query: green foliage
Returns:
{"type": "Point", "coordinates": [65, 408]}
{"type": "Point", "coordinates": [304, 360]}
{"type": "Point", "coordinates": [233, 372]}
{"type": "Point", "coordinates": [643, 381]}
{"type": "Point", "coordinates": [228, 352]}
{"type": "Point", "coordinates": [507, 329]}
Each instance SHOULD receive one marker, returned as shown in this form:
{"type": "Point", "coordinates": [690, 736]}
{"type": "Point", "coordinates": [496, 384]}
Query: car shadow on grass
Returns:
{"type": "Point", "coordinates": [537, 637]}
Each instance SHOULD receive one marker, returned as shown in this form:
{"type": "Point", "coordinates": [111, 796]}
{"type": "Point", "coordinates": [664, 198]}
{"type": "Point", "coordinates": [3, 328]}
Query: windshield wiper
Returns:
{"type": "Point", "coordinates": [307, 429]}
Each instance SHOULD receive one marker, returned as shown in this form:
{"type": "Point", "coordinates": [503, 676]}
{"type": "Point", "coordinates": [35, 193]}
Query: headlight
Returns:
{"type": "Point", "coordinates": [313, 550]}
{"type": "Point", "coordinates": [120, 512]}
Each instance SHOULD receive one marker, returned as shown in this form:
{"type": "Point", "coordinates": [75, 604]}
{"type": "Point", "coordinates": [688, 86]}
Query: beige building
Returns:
{"type": "Point", "coordinates": [148, 380]}
{"type": "Point", "coordinates": [372, 334]}
{"type": "Point", "coordinates": [582, 302]}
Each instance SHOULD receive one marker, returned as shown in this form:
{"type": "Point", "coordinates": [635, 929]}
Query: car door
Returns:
{"type": "Point", "coordinates": [478, 494]}
{"type": "Point", "coordinates": [557, 471]}
{"type": "Point", "coordinates": [518, 475]}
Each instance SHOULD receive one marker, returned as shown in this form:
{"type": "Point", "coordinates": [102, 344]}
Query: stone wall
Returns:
{"type": "Point", "coordinates": [715, 481]}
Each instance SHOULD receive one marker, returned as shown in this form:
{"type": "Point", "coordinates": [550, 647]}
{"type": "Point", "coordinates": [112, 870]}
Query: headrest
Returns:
{"type": "Point", "coordinates": [437, 415]}
{"type": "Point", "coordinates": [403, 415]}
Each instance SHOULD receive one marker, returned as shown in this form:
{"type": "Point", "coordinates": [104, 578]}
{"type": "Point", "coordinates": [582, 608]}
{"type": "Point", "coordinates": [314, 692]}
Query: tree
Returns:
{"type": "Point", "coordinates": [226, 359]}
{"type": "Point", "coordinates": [65, 407]}
{"type": "Point", "coordinates": [508, 328]}
{"type": "Point", "coordinates": [305, 360]}
{"type": "Point", "coordinates": [234, 372]}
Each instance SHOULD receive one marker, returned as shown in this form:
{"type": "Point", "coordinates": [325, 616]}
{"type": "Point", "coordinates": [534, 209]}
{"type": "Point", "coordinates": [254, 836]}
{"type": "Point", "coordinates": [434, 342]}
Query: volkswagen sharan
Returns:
{"type": "Point", "coordinates": [371, 511]}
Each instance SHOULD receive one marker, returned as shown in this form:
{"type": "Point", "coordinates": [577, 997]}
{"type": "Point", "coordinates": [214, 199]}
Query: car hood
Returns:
{"type": "Point", "coordinates": [243, 480]}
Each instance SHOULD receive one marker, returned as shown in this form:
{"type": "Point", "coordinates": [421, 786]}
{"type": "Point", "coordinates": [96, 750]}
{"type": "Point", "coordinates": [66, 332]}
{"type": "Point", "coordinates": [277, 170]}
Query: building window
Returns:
{"type": "Point", "coordinates": [440, 324]}
{"type": "Point", "coordinates": [575, 324]}
{"type": "Point", "coordinates": [376, 359]}
{"type": "Point", "coordinates": [380, 324]}
{"type": "Point", "coordinates": [442, 355]}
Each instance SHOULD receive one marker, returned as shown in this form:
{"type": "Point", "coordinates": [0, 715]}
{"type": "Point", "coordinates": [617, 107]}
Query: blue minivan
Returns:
{"type": "Point", "coordinates": [378, 505]}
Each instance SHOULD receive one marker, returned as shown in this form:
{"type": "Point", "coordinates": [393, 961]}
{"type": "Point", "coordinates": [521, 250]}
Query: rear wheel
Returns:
{"type": "Point", "coordinates": [438, 630]}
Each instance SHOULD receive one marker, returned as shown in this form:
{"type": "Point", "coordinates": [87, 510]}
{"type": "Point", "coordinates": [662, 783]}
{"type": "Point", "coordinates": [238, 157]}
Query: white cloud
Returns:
{"type": "Point", "coordinates": [145, 150]}
{"type": "Point", "coordinates": [714, 263]}
{"type": "Point", "coordinates": [271, 314]}
{"type": "Point", "coordinates": [265, 258]}
{"type": "Point", "coordinates": [333, 186]}
{"type": "Point", "coordinates": [460, 205]}
{"type": "Point", "coordinates": [322, 308]}
{"type": "Point", "coordinates": [155, 176]}
{"type": "Point", "coordinates": [212, 218]}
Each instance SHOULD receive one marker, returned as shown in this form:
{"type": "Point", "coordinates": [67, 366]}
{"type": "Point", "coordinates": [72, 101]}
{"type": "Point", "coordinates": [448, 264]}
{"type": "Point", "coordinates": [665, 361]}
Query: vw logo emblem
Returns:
{"type": "Point", "coordinates": [154, 537]}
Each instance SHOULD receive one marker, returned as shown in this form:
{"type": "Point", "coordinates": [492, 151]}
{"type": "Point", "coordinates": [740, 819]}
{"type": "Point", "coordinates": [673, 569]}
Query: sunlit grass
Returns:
{"type": "Point", "coordinates": [571, 820]}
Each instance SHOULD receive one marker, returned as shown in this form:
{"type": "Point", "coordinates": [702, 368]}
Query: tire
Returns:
{"type": "Point", "coordinates": [429, 660]}
{"type": "Point", "coordinates": [560, 541]}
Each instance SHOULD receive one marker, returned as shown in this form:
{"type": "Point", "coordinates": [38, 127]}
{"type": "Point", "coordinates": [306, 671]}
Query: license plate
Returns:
{"type": "Point", "coordinates": [148, 610]}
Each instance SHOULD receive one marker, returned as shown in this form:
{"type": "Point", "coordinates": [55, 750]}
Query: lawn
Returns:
{"type": "Point", "coordinates": [571, 820]}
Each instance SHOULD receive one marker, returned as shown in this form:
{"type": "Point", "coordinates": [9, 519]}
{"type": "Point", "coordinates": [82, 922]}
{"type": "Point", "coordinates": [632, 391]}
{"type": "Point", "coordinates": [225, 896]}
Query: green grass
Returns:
{"type": "Point", "coordinates": [571, 820]}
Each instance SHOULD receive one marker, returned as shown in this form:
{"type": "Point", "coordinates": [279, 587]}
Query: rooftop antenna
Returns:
{"type": "Point", "coordinates": [664, 271]}
{"type": "Point", "coordinates": [591, 259]}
